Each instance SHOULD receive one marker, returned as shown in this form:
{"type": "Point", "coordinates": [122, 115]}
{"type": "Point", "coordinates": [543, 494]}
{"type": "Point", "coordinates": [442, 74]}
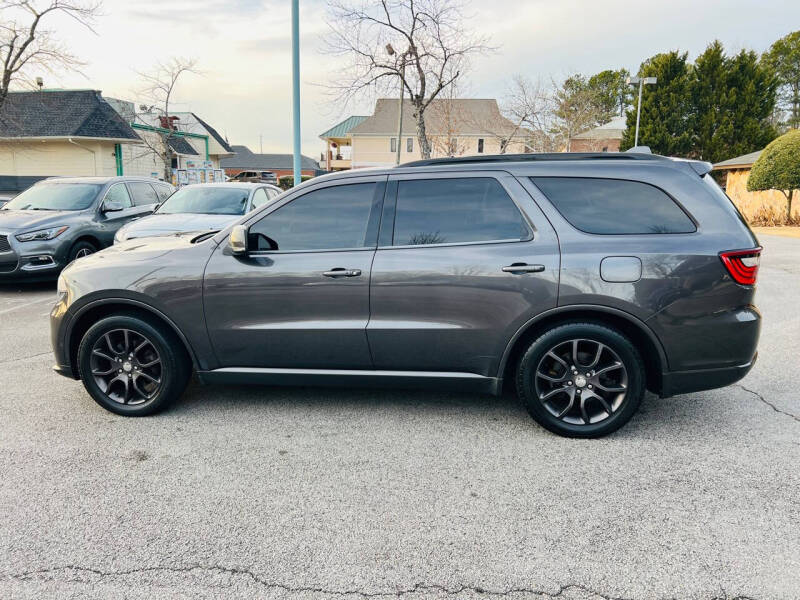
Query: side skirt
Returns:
{"type": "Point", "coordinates": [432, 380]}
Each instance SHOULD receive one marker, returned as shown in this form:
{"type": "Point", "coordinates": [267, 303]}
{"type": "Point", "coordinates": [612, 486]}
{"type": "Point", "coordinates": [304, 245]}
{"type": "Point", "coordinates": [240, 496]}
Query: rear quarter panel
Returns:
{"type": "Point", "coordinates": [684, 295]}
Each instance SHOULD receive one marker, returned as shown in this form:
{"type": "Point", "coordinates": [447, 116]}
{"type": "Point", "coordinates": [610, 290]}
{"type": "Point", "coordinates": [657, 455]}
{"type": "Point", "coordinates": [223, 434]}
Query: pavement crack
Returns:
{"type": "Point", "coordinates": [768, 403]}
{"type": "Point", "coordinates": [418, 588]}
{"type": "Point", "coordinates": [21, 358]}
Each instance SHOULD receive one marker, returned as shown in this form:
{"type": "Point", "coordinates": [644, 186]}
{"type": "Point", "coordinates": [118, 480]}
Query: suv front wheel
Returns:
{"type": "Point", "coordinates": [581, 380]}
{"type": "Point", "coordinates": [132, 367]}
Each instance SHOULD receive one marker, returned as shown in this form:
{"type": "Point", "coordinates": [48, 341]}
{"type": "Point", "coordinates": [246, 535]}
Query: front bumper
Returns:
{"type": "Point", "coordinates": [686, 382]}
{"type": "Point", "coordinates": [20, 260]}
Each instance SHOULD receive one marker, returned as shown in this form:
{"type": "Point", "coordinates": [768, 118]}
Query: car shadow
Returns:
{"type": "Point", "coordinates": [656, 417]}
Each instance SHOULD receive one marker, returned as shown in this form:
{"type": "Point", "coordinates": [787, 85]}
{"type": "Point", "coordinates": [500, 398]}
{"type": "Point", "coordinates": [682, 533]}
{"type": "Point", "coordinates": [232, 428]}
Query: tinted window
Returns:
{"type": "Point", "coordinates": [55, 196]}
{"type": "Point", "coordinates": [118, 193]}
{"type": "Point", "coordinates": [259, 198]}
{"type": "Point", "coordinates": [330, 218]}
{"type": "Point", "coordinates": [442, 211]}
{"type": "Point", "coordinates": [143, 193]}
{"type": "Point", "coordinates": [209, 200]}
{"type": "Point", "coordinates": [611, 206]}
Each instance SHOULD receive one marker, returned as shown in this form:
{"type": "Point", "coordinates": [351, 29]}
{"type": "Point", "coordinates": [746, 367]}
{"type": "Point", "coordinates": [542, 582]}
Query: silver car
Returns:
{"type": "Point", "coordinates": [200, 207]}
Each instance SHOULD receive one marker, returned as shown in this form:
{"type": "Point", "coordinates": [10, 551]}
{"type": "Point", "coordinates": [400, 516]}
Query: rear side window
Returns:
{"type": "Point", "coordinates": [614, 206]}
{"type": "Point", "coordinates": [142, 193]}
{"type": "Point", "coordinates": [164, 191]}
{"type": "Point", "coordinates": [447, 211]}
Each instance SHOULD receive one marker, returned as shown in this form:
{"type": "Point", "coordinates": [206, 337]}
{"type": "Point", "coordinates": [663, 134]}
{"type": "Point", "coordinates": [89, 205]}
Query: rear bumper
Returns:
{"type": "Point", "coordinates": [685, 382]}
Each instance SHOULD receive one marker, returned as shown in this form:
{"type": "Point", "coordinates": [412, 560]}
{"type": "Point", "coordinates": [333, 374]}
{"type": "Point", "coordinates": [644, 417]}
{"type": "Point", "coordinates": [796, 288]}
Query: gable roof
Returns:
{"type": "Point", "coordinates": [458, 116]}
{"type": "Point", "coordinates": [612, 130]}
{"type": "Point", "coordinates": [181, 146]}
{"type": "Point", "coordinates": [62, 113]}
{"type": "Point", "coordinates": [220, 140]}
{"type": "Point", "coordinates": [740, 162]}
{"type": "Point", "coordinates": [342, 129]}
{"type": "Point", "coordinates": [246, 159]}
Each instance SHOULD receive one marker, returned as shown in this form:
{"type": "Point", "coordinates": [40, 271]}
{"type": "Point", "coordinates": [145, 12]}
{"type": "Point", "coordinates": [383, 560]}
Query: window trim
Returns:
{"type": "Point", "coordinates": [373, 220]}
{"type": "Point", "coordinates": [531, 179]}
{"type": "Point", "coordinates": [392, 144]}
{"type": "Point", "coordinates": [409, 145]}
{"type": "Point", "coordinates": [391, 201]}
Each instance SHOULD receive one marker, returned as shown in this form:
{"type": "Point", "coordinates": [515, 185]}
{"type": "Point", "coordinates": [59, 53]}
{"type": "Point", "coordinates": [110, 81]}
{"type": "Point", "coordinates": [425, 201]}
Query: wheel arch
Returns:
{"type": "Point", "coordinates": [86, 237]}
{"type": "Point", "coordinates": [641, 335]}
{"type": "Point", "coordinates": [94, 311]}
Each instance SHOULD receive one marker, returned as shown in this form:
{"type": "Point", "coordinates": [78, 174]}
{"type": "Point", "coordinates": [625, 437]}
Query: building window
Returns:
{"type": "Point", "coordinates": [410, 145]}
{"type": "Point", "coordinates": [605, 149]}
{"type": "Point", "coordinates": [393, 145]}
{"type": "Point", "coordinates": [480, 145]}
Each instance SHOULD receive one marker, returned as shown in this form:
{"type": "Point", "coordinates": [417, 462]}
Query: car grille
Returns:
{"type": "Point", "coordinates": [4, 245]}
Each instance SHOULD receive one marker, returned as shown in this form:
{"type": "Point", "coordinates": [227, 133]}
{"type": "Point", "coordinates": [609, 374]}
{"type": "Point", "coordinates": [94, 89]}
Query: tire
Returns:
{"type": "Point", "coordinates": [596, 400]}
{"type": "Point", "coordinates": [80, 249]}
{"type": "Point", "coordinates": [137, 373]}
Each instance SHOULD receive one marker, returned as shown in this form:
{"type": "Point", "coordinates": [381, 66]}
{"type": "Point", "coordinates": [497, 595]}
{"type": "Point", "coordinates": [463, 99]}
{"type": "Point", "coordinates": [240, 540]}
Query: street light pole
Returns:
{"type": "Point", "coordinates": [641, 81]}
{"type": "Point", "coordinates": [296, 89]}
{"type": "Point", "coordinates": [391, 51]}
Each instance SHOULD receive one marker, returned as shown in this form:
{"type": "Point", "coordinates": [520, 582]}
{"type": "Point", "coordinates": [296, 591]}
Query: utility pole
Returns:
{"type": "Point", "coordinates": [296, 88]}
{"type": "Point", "coordinates": [641, 81]}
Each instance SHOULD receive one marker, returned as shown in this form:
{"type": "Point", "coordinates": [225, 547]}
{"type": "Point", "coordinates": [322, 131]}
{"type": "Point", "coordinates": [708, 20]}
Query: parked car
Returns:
{"type": "Point", "coordinates": [256, 177]}
{"type": "Point", "coordinates": [57, 220]}
{"type": "Point", "coordinates": [200, 207]}
{"type": "Point", "coordinates": [581, 279]}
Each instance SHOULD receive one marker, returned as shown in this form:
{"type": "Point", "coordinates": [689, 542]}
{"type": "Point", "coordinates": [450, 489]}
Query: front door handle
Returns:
{"type": "Point", "coordinates": [341, 272]}
{"type": "Point", "coordinates": [523, 268]}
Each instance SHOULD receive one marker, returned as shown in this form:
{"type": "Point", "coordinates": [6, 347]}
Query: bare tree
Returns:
{"type": "Point", "coordinates": [432, 50]}
{"type": "Point", "coordinates": [529, 105]}
{"type": "Point", "coordinates": [158, 87]}
{"type": "Point", "coordinates": [26, 45]}
{"type": "Point", "coordinates": [450, 120]}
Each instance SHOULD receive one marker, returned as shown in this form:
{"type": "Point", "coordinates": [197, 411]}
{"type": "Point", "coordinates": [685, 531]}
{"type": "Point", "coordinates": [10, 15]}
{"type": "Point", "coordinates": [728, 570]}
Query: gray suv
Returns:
{"type": "Point", "coordinates": [580, 279]}
{"type": "Point", "coordinates": [57, 220]}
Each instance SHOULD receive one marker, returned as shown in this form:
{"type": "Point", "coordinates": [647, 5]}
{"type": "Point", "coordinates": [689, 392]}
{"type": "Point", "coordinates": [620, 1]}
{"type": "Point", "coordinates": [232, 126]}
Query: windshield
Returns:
{"type": "Point", "coordinates": [55, 196]}
{"type": "Point", "coordinates": [206, 200]}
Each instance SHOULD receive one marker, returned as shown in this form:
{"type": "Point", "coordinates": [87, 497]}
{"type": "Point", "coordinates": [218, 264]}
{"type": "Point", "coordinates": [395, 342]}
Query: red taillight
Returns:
{"type": "Point", "coordinates": [742, 264]}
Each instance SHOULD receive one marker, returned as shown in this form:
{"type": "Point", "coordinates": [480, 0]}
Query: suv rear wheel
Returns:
{"type": "Point", "coordinates": [581, 380]}
{"type": "Point", "coordinates": [132, 367]}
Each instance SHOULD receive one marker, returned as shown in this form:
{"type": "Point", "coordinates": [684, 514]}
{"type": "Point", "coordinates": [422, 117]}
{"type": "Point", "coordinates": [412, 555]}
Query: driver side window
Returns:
{"type": "Point", "coordinates": [118, 193]}
{"type": "Point", "coordinates": [331, 218]}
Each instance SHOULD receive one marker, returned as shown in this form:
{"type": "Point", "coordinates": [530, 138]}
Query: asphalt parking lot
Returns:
{"type": "Point", "coordinates": [318, 493]}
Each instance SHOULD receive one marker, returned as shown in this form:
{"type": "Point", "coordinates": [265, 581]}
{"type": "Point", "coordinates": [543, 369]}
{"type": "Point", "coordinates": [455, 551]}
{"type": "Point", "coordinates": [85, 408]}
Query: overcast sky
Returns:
{"type": "Point", "coordinates": [243, 48]}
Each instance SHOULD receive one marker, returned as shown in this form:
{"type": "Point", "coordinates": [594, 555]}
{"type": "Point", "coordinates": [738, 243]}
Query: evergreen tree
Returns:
{"type": "Point", "coordinates": [710, 102]}
{"type": "Point", "coordinates": [750, 103]}
{"type": "Point", "coordinates": [666, 107]}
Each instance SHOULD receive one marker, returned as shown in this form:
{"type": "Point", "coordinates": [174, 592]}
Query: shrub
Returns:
{"type": "Point", "coordinates": [287, 181]}
{"type": "Point", "coordinates": [778, 168]}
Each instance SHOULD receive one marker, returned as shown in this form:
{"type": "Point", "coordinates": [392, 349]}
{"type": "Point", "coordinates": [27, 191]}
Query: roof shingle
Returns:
{"type": "Point", "coordinates": [62, 113]}
{"type": "Point", "coordinates": [246, 159]}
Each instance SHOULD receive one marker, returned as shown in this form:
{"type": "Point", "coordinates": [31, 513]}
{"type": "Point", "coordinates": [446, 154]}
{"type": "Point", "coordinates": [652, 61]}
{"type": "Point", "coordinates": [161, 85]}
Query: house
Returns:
{"type": "Point", "coordinates": [60, 132]}
{"type": "Point", "coordinates": [194, 145]}
{"type": "Point", "coordinates": [605, 138]}
{"type": "Point", "coordinates": [454, 127]}
{"type": "Point", "coordinates": [280, 164]}
{"type": "Point", "coordinates": [767, 204]}
{"type": "Point", "coordinates": [79, 132]}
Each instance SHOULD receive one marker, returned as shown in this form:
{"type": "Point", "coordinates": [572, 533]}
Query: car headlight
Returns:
{"type": "Point", "coordinates": [41, 234]}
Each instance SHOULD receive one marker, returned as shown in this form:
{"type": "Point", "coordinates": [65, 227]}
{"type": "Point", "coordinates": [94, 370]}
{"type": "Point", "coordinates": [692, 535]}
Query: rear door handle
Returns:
{"type": "Point", "coordinates": [341, 272]}
{"type": "Point", "coordinates": [523, 268]}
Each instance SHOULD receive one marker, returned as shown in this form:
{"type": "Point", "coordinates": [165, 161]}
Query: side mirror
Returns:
{"type": "Point", "coordinates": [237, 240]}
{"type": "Point", "coordinates": [112, 206]}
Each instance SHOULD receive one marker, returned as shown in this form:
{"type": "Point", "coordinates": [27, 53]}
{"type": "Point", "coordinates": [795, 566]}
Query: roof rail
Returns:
{"type": "Point", "coordinates": [532, 157]}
